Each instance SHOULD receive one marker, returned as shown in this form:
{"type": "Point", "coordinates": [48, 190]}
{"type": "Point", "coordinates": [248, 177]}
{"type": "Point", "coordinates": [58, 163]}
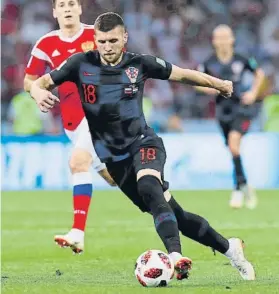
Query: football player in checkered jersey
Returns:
{"type": "Point", "coordinates": [111, 84]}
{"type": "Point", "coordinates": [234, 115]}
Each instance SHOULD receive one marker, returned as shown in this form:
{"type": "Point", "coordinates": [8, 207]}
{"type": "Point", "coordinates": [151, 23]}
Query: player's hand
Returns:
{"type": "Point", "coordinates": [44, 99]}
{"type": "Point", "coordinates": [249, 97]}
{"type": "Point", "coordinates": [226, 89]}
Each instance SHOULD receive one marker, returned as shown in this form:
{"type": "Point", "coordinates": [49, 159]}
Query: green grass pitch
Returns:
{"type": "Point", "coordinates": [117, 233]}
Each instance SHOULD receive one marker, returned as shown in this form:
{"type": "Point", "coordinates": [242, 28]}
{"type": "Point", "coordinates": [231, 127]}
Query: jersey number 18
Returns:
{"type": "Point", "coordinates": [89, 93]}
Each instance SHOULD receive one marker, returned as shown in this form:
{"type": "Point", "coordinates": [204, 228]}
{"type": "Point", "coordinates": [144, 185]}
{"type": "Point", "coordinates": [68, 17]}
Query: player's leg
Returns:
{"type": "Point", "coordinates": [198, 229]}
{"type": "Point", "coordinates": [239, 128]}
{"type": "Point", "coordinates": [149, 165]}
{"type": "Point", "coordinates": [237, 196]}
{"type": "Point", "coordinates": [80, 163]}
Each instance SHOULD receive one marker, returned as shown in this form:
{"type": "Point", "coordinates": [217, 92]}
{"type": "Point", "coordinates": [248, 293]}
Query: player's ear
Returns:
{"type": "Point", "coordinates": [125, 37]}
{"type": "Point", "coordinates": [54, 13]}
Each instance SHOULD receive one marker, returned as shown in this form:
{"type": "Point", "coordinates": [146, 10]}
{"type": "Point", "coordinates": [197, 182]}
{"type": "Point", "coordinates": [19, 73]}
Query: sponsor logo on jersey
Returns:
{"type": "Point", "coordinates": [132, 74]}
{"type": "Point", "coordinates": [88, 74]}
{"type": "Point", "coordinates": [87, 46]}
{"type": "Point", "coordinates": [55, 53]}
{"type": "Point", "coordinates": [132, 89]}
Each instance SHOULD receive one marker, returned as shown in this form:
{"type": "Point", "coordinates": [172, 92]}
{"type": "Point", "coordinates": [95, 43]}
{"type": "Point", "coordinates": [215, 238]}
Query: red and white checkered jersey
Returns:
{"type": "Point", "coordinates": [51, 50]}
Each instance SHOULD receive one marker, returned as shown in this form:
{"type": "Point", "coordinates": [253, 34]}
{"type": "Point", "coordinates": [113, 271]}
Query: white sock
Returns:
{"type": "Point", "coordinates": [79, 234]}
{"type": "Point", "coordinates": [230, 251]}
{"type": "Point", "coordinates": [82, 178]}
{"type": "Point", "coordinates": [175, 256]}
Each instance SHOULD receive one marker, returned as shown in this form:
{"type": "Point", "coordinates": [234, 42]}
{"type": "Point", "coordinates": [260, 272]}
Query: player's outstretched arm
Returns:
{"type": "Point", "coordinates": [196, 78]}
{"type": "Point", "coordinates": [207, 91]}
{"type": "Point", "coordinates": [40, 91]}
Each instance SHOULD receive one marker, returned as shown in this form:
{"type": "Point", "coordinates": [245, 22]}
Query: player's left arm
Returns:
{"type": "Point", "coordinates": [202, 67]}
{"type": "Point", "coordinates": [40, 89]}
{"type": "Point", "coordinates": [251, 95]}
{"type": "Point", "coordinates": [196, 78]}
{"type": "Point", "coordinates": [158, 68]}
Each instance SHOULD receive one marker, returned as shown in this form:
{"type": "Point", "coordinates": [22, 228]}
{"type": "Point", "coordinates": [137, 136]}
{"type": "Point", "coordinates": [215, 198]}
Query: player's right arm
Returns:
{"type": "Point", "coordinates": [36, 67]}
{"type": "Point", "coordinates": [28, 80]}
{"type": "Point", "coordinates": [37, 63]}
{"type": "Point", "coordinates": [40, 88]}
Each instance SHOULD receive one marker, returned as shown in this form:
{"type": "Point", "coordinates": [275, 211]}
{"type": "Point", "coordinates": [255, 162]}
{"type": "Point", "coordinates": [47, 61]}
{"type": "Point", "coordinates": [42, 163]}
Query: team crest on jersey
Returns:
{"type": "Point", "coordinates": [132, 74]}
{"type": "Point", "coordinates": [87, 46]}
{"type": "Point", "coordinates": [237, 67]}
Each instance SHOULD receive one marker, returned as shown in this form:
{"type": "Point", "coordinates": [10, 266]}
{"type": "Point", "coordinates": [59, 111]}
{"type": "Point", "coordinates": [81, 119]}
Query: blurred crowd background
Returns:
{"type": "Point", "coordinates": [176, 30]}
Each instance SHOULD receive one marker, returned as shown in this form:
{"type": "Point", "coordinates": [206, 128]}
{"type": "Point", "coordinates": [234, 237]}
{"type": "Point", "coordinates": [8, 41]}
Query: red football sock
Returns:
{"type": "Point", "coordinates": [82, 193]}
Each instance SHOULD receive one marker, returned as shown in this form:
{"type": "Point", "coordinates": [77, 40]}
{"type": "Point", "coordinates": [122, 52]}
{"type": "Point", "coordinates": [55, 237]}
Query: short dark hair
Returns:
{"type": "Point", "coordinates": [54, 2]}
{"type": "Point", "coordinates": [108, 21]}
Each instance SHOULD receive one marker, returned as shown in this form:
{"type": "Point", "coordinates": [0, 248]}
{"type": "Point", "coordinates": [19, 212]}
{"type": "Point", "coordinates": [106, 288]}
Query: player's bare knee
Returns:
{"type": "Point", "coordinates": [234, 143]}
{"type": "Point", "coordinates": [234, 149]}
{"type": "Point", "coordinates": [80, 161]}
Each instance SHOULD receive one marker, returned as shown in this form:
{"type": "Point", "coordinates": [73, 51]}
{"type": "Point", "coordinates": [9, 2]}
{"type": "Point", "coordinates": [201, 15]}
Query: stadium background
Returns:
{"type": "Point", "coordinates": [180, 32]}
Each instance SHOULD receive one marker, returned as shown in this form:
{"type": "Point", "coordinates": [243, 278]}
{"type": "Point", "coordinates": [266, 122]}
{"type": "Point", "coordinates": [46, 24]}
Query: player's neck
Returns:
{"type": "Point", "coordinates": [69, 32]}
{"type": "Point", "coordinates": [224, 56]}
{"type": "Point", "coordinates": [113, 63]}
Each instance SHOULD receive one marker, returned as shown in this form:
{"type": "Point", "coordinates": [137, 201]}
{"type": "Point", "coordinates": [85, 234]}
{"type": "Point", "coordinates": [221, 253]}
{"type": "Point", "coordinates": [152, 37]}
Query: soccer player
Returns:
{"type": "Point", "coordinates": [235, 114]}
{"type": "Point", "coordinates": [111, 84]}
{"type": "Point", "coordinates": [50, 51]}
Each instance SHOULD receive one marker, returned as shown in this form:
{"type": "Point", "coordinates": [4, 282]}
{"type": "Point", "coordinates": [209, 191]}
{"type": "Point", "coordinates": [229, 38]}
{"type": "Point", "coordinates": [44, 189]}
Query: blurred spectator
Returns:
{"type": "Point", "coordinates": [271, 111]}
{"type": "Point", "coordinates": [26, 117]}
{"type": "Point", "coordinates": [36, 20]}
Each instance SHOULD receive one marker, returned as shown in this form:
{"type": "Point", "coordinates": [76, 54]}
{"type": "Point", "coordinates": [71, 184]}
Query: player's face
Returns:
{"type": "Point", "coordinates": [67, 13]}
{"type": "Point", "coordinates": [223, 39]}
{"type": "Point", "coordinates": [110, 44]}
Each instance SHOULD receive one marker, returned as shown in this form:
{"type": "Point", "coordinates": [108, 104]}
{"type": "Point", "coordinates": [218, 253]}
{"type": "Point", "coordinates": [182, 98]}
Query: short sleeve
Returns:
{"type": "Point", "coordinates": [68, 70]}
{"type": "Point", "coordinates": [39, 59]}
{"type": "Point", "coordinates": [36, 66]}
{"type": "Point", "coordinates": [156, 68]}
{"type": "Point", "coordinates": [251, 64]}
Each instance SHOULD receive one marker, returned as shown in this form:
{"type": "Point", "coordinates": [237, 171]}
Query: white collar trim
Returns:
{"type": "Point", "coordinates": [74, 37]}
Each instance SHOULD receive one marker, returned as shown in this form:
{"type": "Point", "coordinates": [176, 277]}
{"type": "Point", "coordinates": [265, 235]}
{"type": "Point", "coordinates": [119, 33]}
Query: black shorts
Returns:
{"type": "Point", "coordinates": [150, 153]}
{"type": "Point", "coordinates": [240, 124]}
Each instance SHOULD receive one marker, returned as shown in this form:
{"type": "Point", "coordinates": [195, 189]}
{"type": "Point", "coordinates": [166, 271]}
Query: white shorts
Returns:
{"type": "Point", "coordinates": [81, 138]}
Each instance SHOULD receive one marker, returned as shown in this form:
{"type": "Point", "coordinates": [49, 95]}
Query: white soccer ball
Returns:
{"type": "Point", "coordinates": [154, 268]}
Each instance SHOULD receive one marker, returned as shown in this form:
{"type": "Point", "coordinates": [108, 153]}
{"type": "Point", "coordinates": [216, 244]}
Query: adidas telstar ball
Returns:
{"type": "Point", "coordinates": [154, 268]}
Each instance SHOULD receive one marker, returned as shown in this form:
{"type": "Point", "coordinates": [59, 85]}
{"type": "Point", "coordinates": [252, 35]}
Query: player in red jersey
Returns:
{"type": "Point", "coordinates": [51, 51]}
